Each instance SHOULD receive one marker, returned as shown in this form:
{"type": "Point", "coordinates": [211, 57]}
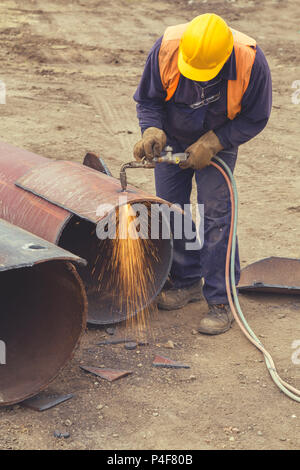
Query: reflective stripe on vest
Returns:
{"type": "Point", "coordinates": [244, 48]}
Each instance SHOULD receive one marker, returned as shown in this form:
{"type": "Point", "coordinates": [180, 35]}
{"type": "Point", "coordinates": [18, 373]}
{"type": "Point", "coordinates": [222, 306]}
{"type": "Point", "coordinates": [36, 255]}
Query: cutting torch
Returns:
{"type": "Point", "coordinates": [168, 157]}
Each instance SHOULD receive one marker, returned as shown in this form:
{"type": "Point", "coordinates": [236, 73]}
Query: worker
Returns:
{"type": "Point", "coordinates": [205, 90]}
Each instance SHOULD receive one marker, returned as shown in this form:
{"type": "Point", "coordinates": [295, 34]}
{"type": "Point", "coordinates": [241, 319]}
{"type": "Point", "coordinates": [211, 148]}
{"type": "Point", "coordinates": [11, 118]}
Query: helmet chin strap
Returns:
{"type": "Point", "coordinates": [202, 84]}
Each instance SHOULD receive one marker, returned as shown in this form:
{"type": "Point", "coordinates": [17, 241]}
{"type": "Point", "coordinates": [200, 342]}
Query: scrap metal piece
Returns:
{"type": "Point", "coordinates": [162, 361]}
{"type": "Point", "coordinates": [275, 274]}
{"type": "Point", "coordinates": [44, 401]}
{"type": "Point", "coordinates": [108, 374]}
{"type": "Point", "coordinates": [114, 341]}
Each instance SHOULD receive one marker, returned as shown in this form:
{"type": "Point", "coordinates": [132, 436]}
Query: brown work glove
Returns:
{"type": "Point", "coordinates": [202, 151]}
{"type": "Point", "coordinates": [151, 145]}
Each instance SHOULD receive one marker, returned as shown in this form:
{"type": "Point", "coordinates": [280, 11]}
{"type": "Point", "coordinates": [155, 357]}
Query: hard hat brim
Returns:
{"type": "Point", "coordinates": [199, 75]}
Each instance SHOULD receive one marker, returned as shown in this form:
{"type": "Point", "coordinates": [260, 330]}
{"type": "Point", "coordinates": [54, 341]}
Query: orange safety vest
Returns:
{"type": "Point", "coordinates": [245, 51]}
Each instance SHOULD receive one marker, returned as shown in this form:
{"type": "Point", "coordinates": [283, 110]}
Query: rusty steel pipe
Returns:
{"type": "Point", "coordinates": [43, 312]}
{"type": "Point", "coordinates": [58, 201]}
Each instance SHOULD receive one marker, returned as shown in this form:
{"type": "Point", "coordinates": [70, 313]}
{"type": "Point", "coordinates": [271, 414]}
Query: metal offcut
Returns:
{"type": "Point", "coordinates": [275, 274]}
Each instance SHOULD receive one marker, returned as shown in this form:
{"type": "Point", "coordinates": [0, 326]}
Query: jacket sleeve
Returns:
{"type": "Point", "coordinates": [256, 107]}
{"type": "Point", "coordinates": [150, 95]}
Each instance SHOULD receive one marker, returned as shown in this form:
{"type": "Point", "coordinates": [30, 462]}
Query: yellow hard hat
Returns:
{"type": "Point", "coordinates": [204, 48]}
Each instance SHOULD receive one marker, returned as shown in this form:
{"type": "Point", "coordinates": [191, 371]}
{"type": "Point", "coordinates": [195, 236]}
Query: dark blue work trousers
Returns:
{"type": "Point", "coordinates": [175, 185]}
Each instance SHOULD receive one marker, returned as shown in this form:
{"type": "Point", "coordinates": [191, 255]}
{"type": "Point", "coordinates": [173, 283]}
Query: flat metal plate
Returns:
{"type": "Point", "coordinates": [44, 401]}
{"type": "Point", "coordinates": [19, 249]}
{"type": "Point", "coordinates": [108, 374]}
{"type": "Point", "coordinates": [275, 274]}
{"type": "Point", "coordinates": [79, 189]}
{"type": "Point", "coordinates": [162, 361]}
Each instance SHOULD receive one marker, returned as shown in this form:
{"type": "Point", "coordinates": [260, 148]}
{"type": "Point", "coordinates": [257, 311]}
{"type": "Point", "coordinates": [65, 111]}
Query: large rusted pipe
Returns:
{"type": "Point", "coordinates": [59, 201]}
{"type": "Point", "coordinates": [43, 312]}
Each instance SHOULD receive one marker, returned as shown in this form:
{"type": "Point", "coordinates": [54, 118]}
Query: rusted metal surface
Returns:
{"type": "Point", "coordinates": [96, 163]}
{"type": "Point", "coordinates": [43, 312]}
{"type": "Point", "coordinates": [79, 189]}
{"type": "Point", "coordinates": [22, 208]}
{"type": "Point", "coordinates": [108, 374]}
{"type": "Point", "coordinates": [59, 201]}
{"type": "Point", "coordinates": [281, 275]}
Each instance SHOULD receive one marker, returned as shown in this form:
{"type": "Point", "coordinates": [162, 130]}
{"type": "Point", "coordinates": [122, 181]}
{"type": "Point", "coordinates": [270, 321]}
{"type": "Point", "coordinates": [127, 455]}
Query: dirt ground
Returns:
{"type": "Point", "coordinates": [71, 68]}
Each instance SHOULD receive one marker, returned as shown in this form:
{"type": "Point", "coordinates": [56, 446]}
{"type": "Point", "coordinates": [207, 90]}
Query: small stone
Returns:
{"type": "Point", "coordinates": [194, 332]}
{"type": "Point", "coordinates": [232, 438]}
{"type": "Point", "coordinates": [130, 346]}
{"type": "Point", "coordinates": [282, 439]}
{"type": "Point", "coordinates": [99, 407]}
{"type": "Point", "coordinates": [236, 430]}
{"type": "Point", "coordinates": [259, 433]}
{"type": "Point", "coordinates": [169, 344]}
{"type": "Point", "coordinates": [110, 331]}
{"type": "Point", "coordinates": [68, 422]}
{"type": "Point", "coordinates": [59, 434]}
{"type": "Point", "coordinates": [293, 416]}
{"type": "Point", "coordinates": [140, 365]}
{"type": "Point", "coordinates": [192, 377]}
{"type": "Point", "coordinates": [143, 343]}
{"type": "Point", "coordinates": [115, 435]}
{"type": "Point", "coordinates": [155, 413]}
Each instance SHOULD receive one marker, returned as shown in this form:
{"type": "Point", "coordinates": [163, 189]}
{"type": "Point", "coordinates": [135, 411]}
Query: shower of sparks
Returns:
{"type": "Point", "coordinates": [124, 268]}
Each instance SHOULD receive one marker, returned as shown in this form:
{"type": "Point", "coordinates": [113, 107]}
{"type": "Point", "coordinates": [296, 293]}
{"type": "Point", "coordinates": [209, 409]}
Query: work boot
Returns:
{"type": "Point", "coordinates": [217, 320]}
{"type": "Point", "coordinates": [173, 299]}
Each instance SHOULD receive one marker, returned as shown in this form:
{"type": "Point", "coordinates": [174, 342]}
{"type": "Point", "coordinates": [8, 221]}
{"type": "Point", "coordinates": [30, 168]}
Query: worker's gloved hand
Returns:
{"type": "Point", "coordinates": [202, 151]}
{"type": "Point", "coordinates": [151, 145]}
